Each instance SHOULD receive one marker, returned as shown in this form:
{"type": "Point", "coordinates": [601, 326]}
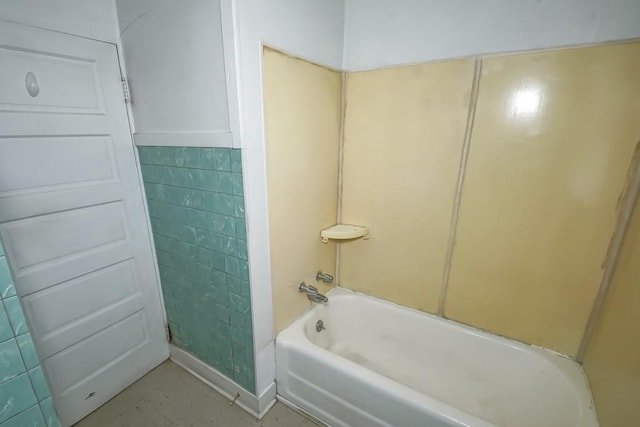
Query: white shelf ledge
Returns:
{"type": "Point", "coordinates": [344, 232]}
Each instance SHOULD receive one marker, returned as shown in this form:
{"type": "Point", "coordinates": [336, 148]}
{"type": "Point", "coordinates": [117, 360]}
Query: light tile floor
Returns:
{"type": "Point", "coordinates": [169, 396]}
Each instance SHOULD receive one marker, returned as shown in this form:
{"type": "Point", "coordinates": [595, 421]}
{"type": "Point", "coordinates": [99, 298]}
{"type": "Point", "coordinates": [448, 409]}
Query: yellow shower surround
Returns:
{"type": "Point", "coordinates": [548, 155]}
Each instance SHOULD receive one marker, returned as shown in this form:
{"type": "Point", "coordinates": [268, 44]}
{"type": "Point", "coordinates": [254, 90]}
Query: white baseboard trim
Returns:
{"type": "Point", "coordinates": [185, 139]}
{"type": "Point", "coordinates": [254, 405]}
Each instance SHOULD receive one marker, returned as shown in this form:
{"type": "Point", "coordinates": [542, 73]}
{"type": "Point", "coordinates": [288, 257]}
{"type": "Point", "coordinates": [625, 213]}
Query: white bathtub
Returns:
{"type": "Point", "coordinates": [379, 364]}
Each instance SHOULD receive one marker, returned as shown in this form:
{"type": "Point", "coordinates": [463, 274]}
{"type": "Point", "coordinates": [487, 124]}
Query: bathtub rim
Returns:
{"type": "Point", "coordinates": [571, 370]}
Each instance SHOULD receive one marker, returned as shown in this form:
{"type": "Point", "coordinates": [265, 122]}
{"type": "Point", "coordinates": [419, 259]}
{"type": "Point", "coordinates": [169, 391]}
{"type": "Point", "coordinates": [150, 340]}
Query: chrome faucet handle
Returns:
{"type": "Point", "coordinates": [326, 278]}
{"type": "Point", "coordinates": [307, 288]}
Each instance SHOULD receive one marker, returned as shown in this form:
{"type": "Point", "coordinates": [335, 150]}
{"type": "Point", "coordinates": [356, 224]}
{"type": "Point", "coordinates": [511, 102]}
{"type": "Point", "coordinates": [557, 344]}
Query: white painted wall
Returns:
{"type": "Point", "coordinates": [311, 29]}
{"type": "Point", "coordinates": [391, 32]}
{"type": "Point", "coordinates": [174, 55]}
{"type": "Point", "coordinates": [94, 19]}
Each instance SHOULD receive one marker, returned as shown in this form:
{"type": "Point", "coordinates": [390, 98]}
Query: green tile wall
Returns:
{"type": "Point", "coordinates": [196, 206]}
{"type": "Point", "coordinates": [24, 394]}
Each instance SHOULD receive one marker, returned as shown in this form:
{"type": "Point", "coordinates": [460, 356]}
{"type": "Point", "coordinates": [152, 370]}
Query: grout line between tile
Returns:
{"type": "Point", "coordinates": [627, 203]}
{"type": "Point", "coordinates": [455, 213]}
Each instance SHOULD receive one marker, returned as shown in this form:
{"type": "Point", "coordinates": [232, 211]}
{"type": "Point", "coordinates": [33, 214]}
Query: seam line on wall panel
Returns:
{"type": "Point", "coordinates": [343, 109]}
{"type": "Point", "coordinates": [455, 212]}
{"type": "Point", "coordinates": [627, 202]}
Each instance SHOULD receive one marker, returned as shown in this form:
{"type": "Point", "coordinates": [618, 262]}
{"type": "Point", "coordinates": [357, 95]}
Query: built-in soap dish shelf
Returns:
{"type": "Point", "coordinates": [344, 232]}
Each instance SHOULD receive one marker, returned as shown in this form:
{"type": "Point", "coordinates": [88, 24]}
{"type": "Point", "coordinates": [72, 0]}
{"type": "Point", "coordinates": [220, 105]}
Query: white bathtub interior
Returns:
{"type": "Point", "coordinates": [458, 374]}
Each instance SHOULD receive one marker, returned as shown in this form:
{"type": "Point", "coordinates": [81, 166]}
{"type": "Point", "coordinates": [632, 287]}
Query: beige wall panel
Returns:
{"type": "Point", "coordinates": [612, 360]}
{"type": "Point", "coordinates": [553, 138]}
{"type": "Point", "coordinates": [302, 114]}
{"type": "Point", "coordinates": [404, 132]}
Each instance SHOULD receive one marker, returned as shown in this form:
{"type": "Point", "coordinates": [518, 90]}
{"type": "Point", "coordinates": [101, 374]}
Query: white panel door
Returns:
{"type": "Point", "coordinates": [72, 218]}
